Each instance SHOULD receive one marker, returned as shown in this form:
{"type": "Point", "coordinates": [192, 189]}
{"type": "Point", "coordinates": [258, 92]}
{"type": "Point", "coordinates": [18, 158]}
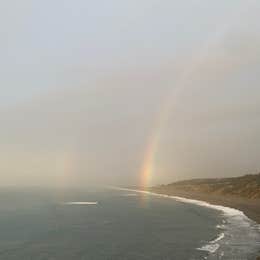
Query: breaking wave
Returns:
{"type": "Point", "coordinates": [239, 235]}
{"type": "Point", "coordinates": [80, 203]}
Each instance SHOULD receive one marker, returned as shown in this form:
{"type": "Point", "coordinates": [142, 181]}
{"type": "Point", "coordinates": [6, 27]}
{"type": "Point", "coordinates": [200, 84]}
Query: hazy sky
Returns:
{"type": "Point", "coordinates": [86, 86]}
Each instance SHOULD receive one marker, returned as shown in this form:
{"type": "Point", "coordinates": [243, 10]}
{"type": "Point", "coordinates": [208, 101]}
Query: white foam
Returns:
{"type": "Point", "coordinates": [221, 226]}
{"type": "Point", "coordinates": [233, 215]}
{"type": "Point", "coordinates": [211, 248]}
{"type": "Point", "coordinates": [231, 212]}
{"type": "Point", "coordinates": [221, 236]}
{"type": "Point", "coordinates": [81, 203]}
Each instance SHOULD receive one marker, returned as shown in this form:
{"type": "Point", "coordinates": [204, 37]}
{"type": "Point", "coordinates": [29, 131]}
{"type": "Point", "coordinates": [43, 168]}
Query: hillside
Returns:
{"type": "Point", "coordinates": [247, 186]}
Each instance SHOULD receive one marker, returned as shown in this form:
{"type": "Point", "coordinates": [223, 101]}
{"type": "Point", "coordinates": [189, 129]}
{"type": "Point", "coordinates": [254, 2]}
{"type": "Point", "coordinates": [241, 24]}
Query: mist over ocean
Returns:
{"type": "Point", "coordinates": [99, 224]}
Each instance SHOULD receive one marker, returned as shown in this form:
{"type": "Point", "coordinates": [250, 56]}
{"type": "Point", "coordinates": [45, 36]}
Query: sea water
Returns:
{"type": "Point", "coordinates": [119, 224]}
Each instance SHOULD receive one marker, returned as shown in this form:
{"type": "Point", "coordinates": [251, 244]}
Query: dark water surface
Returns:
{"type": "Point", "coordinates": [36, 224]}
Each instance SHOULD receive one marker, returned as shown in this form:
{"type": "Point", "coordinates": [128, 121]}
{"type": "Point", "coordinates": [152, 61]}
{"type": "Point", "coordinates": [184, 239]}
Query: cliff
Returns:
{"type": "Point", "coordinates": [247, 186]}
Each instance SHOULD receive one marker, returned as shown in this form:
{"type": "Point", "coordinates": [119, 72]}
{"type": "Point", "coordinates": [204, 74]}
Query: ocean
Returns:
{"type": "Point", "coordinates": [110, 224]}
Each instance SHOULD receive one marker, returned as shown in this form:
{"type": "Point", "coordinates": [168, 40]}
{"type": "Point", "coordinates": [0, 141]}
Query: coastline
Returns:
{"type": "Point", "coordinates": [250, 207]}
{"type": "Point", "coordinates": [235, 208]}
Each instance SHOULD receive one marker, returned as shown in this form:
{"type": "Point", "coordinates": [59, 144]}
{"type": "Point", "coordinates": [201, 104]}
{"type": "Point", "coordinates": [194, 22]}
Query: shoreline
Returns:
{"type": "Point", "coordinates": [247, 210]}
{"type": "Point", "coordinates": [249, 207]}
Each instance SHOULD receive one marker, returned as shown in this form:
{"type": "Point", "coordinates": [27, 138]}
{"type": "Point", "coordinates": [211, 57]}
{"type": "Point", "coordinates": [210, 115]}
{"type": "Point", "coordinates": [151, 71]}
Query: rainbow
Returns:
{"type": "Point", "coordinates": [196, 63]}
{"type": "Point", "coordinates": [148, 165]}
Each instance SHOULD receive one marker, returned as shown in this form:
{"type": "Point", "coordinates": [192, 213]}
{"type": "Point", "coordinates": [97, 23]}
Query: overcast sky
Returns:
{"type": "Point", "coordinates": [84, 85]}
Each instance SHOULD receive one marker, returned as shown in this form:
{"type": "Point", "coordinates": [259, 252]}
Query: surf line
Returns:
{"type": "Point", "coordinates": [228, 211]}
{"type": "Point", "coordinates": [80, 203]}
